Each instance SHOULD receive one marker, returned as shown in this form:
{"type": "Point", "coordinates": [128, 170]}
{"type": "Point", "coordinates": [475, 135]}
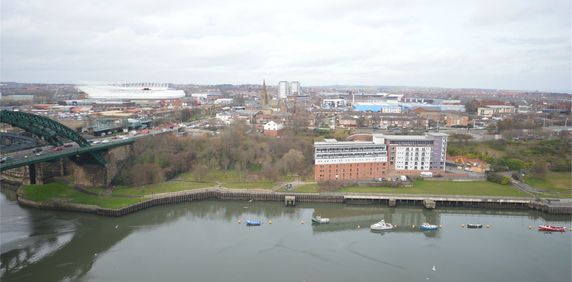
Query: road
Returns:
{"type": "Point", "coordinates": [49, 152]}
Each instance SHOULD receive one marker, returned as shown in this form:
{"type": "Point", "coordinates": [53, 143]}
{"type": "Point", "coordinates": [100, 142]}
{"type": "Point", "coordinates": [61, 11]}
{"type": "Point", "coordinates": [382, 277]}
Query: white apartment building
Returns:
{"type": "Point", "coordinates": [283, 89]}
{"type": "Point", "coordinates": [332, 151]}
{"type": "Point", "coordinates": [295, 88]}
{"type": "Point", "coordinates": [413, 157]}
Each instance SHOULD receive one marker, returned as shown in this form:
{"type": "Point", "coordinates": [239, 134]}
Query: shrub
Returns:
{"type": "Point", "coordinates": [497, 178]}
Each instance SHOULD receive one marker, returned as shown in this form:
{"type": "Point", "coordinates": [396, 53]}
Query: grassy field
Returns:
{"type": "Point", "coordinates": [170, 186]}
{"type": "Point", "coordinates": [65, 193]}
{"type": "Point", "coordinates": [307, 188]}
{"type": "Point", "coordinates": [234, 179]}
{"type": "Point", "coordinates": [249, 185]}
{"type": "Point", "coordinates": [475, 188]}
{"type": "Point", "coordinates": [558, 184]}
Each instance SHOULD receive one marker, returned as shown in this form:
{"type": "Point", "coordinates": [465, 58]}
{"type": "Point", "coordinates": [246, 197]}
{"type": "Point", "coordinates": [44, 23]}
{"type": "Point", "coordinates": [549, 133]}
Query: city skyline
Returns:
{"type": "Point", "coordinates": [477, 44]}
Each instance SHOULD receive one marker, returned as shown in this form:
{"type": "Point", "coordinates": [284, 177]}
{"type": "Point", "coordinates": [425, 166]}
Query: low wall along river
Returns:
{"type": "Point", "coordinates": [258, 195]}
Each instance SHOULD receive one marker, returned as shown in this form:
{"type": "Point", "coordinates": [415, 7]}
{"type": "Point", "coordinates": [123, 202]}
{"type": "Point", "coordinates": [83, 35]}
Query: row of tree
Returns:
{"type": "Point", "coordinates": [235, 148]}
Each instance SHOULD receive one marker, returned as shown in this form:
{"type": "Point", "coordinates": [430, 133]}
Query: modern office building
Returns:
{"type": "Point", "coordinates": [385, 155]}
{"type": "Point", "coordinates": [283, 89]}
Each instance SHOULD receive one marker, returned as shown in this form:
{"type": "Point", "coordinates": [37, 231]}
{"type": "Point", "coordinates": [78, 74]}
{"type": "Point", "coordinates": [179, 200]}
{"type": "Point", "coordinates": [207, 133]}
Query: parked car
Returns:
{"type": "Point", "coordinates": [56, 149]}
{"type": "Point", "coordinates": [37, 150]}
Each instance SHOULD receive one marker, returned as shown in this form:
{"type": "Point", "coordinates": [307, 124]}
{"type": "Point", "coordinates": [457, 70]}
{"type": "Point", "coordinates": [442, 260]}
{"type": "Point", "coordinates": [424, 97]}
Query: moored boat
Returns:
{"type": "Point", "coordinates": [427, 226]}
{"type": "Point", "coordinates": [253, 223]}
{"type": "Point", "coordinates": [551, 228]}
{"type": "Point", "coordinates": [380, 226]}
{"type": "Point", "coordinates": [319, 220]}
{"type": "Point", "coordinates": [474, 225]}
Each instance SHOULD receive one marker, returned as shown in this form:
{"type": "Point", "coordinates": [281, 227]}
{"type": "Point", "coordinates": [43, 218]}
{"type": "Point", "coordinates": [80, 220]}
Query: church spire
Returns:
{"type": "Point", "coordinates": [264, 93]}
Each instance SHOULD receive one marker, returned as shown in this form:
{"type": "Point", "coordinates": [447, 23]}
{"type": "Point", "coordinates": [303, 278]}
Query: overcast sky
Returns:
{"type": "Point", "coordinates": [507, 44]}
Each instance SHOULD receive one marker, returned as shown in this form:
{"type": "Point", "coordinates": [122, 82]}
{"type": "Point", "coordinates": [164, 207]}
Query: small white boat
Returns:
{"type": "Point", "coordinates": [381, 226]}
{"type": "Point", "coordinates": [318, 219]}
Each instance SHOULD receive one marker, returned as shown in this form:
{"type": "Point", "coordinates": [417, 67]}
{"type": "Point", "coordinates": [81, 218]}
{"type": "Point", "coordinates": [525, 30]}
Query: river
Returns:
{"type": "Point", "coordinates": [203, 241]}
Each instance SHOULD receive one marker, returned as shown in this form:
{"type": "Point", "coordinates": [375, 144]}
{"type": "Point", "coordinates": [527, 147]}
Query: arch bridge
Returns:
{"type": "Point", "coordinates": [53, 132]}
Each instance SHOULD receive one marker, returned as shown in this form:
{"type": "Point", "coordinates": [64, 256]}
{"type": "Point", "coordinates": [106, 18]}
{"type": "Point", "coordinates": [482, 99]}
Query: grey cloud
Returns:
{"type": "Point", "coordinates": [441, 43]}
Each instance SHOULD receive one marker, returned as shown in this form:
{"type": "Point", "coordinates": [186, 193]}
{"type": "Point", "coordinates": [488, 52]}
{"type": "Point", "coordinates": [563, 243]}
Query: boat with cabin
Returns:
{"type": "Point", "coordinates": [381, 226]}
{"type": "Point", "coordinates": [320, 220]}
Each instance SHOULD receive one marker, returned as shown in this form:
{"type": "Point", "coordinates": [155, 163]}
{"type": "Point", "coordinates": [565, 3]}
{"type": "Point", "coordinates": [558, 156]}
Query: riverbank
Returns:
{"type": "Point", "coordinates": [266, 195]}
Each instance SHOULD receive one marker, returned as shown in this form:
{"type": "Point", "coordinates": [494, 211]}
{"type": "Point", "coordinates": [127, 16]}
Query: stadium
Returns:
{"type": "Point", "coordinates": [131, 91]}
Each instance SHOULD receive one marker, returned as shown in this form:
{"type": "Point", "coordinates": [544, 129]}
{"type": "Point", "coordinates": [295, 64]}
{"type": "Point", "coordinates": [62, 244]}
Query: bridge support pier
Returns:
{"type": "Point", "coordinates": [39, 173]}
{"type": "Point", "coordinates": [91, 175]}
{"type": "Point", "coordinates": [94, 175]}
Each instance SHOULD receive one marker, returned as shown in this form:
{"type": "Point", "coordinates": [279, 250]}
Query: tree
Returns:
{"type": "Point", "coordinates": [471, 106]}
{"type": "Point", "coordinates": [186, 115]}
{"type": "Point", "coordinates": [292, 161]}
{"type": "Point", "coordinates": [270, 172]}
{"type": "Point", "coordinates": [539, 168]}
{"type": "Point", "coordinates": [147, 173]}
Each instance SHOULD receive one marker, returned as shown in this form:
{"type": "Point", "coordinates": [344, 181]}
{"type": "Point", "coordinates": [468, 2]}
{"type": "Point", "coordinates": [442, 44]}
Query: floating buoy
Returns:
{"type": "Point", "coordinates": [570, 228]}
{"type": "Point", "coordinates": [413, 225]}
{"type": "Point", "coordinates": [358, 227]}
{"type": "Point", "coordinates": [238, 221]}
{"type": "Point", "coordinates": [396, 226]}
{"type": "Point", "coordinates": [440, 226]}
{"type": "Point", "coordinates": [462, 225]}
{"type": "Point", "coordinates": [529, 227]}
{"type": "Point", "coordinates": [270, 222]}
{"type": "Point", "coordinates": [488, 226]}
{"type": "Point", "coordinates": [301, 222]}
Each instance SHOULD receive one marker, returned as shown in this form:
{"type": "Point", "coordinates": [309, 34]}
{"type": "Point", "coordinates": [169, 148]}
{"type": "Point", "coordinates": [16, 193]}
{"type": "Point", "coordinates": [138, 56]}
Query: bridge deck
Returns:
{"type": "Point", "coordinates": [66, 152]}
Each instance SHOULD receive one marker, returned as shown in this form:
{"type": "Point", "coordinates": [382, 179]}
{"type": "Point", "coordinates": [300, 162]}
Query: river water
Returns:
{"type": "Point", "coordinates": [203, 241]}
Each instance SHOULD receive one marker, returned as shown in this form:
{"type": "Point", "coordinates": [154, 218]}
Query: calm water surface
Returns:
{"type": "Point", "coordinates": [202, 241]}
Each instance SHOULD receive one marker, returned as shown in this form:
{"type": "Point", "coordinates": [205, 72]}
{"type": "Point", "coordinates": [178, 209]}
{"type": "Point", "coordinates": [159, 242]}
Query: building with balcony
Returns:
{"type": "Point", "coordinates": [384, 155]}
